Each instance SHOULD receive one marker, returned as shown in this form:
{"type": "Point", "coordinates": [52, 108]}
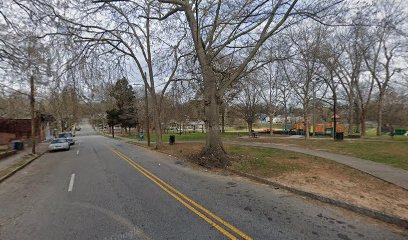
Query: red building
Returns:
{"type": "Point", "coordinates": [20, 129]}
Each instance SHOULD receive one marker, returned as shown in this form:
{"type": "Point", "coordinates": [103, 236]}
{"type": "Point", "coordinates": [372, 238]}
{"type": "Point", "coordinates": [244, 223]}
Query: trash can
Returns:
{"type": "Point", "coordinates": [400, 132]}
{"type": "Point", "coordinates": [18, 145]}
{"type": "Point", "coordinates": [339, 136]}
{"type": "Point", "coordinates": [172, 139]}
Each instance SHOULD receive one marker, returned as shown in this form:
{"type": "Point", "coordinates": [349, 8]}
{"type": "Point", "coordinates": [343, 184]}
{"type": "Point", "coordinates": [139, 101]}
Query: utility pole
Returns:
{"type": "Point", "coordinates": [147, 116]}
{"type": "Point", "coordinates": [32, 109]}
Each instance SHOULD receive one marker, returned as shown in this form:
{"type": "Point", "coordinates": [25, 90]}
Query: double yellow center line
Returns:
{"type": "Point", "coordinates": [196, 208]}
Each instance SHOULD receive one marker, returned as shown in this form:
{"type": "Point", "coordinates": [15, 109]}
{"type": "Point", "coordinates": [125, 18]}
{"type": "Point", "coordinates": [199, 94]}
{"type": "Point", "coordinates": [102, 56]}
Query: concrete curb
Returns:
{"type": "Point", "coordinates": [21, 167]}
{"type": "Point", "coordinates": [361, 210]}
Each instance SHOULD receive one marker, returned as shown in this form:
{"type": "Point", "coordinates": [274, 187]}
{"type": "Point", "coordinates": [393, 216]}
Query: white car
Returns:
{"type": "Point", "coordinates": [59, 144]}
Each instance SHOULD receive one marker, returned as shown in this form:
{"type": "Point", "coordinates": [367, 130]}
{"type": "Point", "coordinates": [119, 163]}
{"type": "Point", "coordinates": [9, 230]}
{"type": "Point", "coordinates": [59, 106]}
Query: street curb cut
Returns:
{"type": "Point", "coordinates": [21, 167]}
{"type": "Point", "coordinates": [361, 210]}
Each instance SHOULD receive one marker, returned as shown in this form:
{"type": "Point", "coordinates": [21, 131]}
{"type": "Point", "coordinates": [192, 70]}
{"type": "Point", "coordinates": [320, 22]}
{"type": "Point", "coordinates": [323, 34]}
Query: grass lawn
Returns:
{"type": "Point", "coordinates": [257, 160]}
{"type": "Point", "coordinates": [308, 173]}
{"type": "Point", "coordinates": [393, 153]}
{"type": "Point", "coordinates": [197, 136]}
{"type": "Point", "coordinates": [179, 137]}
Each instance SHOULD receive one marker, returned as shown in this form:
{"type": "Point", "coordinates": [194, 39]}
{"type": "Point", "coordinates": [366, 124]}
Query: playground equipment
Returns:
{"type": "Point", "coordinates": [321, 129]}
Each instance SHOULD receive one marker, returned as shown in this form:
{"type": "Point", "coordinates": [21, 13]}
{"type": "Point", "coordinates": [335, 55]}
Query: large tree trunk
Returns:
{"type": "Point", "coordinates": [350, 118]}
{"type": "Point", "coordinates": [362, 122]}
{"type": "Point", "coordinates": [213, 154]}
{"type": "Point", "coordinates": [306, 122]}
{"type": "Point", "coordinates": [379, 114]}
{"type": "Point", "coordinates": [157, 123]}
{"type": "Point", "coordinates": [307, 128]}
{"type": "Point", "coordinates": [286, 118]}
{"type": "Point", "coordinates": [250, 127]}
{"type": "Point", "coordinates": [223, 119]}
{"type": "Point", "coordinates": [271, 123]}
{"type": "Point", "coordinates": [358, 119]}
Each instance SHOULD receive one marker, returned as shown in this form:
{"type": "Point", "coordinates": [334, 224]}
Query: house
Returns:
{"type": "Point", "coordinates": [276, 120]}
{"type": "Point", "coordinates": [198, 125]}
{"type": "Point", "coordinates": [20, 129]}
{"type": "Point", "coordinates": [190, 126]}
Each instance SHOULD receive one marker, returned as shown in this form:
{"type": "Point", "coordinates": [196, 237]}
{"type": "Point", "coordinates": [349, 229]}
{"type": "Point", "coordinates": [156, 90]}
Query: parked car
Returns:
{"type": "Point", "coordinates": [59, 144]}
{"type": "Point", "coordinates": [77, 129]}
{"type": "Point", "coordinates": [68, 136]}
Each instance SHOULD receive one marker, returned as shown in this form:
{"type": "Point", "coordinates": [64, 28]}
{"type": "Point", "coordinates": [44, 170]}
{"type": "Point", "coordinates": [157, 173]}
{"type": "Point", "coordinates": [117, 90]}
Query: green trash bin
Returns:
{"type": "Point", "coordinates": [18, 145]}
{"type": "Point", "coordinates": [172, 139]}
{"type": "Point", "coordinates": [339, 136]}
{"type": "Point", "coordinates": [400, 132]}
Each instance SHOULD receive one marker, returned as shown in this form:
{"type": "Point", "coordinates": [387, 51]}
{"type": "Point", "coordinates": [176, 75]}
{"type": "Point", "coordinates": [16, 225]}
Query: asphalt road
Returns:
{"type": "Point", "coordinates": [107, 189]}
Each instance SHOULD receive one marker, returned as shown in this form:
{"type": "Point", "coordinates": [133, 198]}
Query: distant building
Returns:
{"type": "Point", "coordinates": [279, 119]}
{"type": "Point", "coordinates": [191, 126]}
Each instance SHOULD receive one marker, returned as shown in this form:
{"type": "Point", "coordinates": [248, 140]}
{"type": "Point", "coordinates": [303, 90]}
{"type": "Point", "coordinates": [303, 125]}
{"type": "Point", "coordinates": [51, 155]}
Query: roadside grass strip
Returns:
{"type": "Point", "coordinates": [196, 208]}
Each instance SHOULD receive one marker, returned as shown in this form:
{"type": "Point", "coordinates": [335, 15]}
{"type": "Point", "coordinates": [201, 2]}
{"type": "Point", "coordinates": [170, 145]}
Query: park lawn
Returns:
{"type": "Point", "coordinates": [179, 137]}
{"type": "Point", "coordinates": [308, 173]}
{"type": "Point", "coordinates": [197, 136]}
{"type": "Point", "coordinates": [393, 153]}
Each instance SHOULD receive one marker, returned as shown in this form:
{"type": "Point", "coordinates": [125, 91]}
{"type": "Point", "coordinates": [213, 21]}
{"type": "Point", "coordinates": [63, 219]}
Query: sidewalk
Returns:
{"type": "Point", "coordinates": [15, 158]}
{"type": "Point", "coordinates": [390, 174]}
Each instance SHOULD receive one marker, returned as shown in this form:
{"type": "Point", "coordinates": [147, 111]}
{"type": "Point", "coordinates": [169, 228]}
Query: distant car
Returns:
{"type": "Point", "coordinates": [59, 144]}
{"type": "Point", "coordinates": [68, 136]}
{"type": "Point", "coordinates": [77, 129]}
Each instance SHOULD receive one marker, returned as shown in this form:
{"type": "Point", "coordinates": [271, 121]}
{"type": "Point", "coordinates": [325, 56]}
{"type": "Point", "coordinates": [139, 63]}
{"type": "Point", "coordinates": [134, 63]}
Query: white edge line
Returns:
{"type": "Point", "coordinates": [71, 183]}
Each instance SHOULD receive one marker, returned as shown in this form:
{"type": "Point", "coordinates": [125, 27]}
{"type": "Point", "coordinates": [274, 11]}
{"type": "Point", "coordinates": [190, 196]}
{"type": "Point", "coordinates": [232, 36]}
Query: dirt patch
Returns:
{"type": "Point", "coordinates": [349, 185]}
{"type": "Point", "coordinates": [312, 174]}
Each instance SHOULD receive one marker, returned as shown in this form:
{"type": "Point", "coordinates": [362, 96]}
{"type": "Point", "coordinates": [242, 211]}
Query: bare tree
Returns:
{"type": "Point", "coordinates": [248, 104]}
{"type": "Point", "coordinates": [328, 57]}
{"type": "Point", "coordinates": [302, 73]}
{"type": "Point", "coordinates": [128, 31]}
{"type": "Point", "coordinates": [388, 45]}
{"type": "Point", "coordinates": [269, 91]}
{"type": "Point", "coordinates": [236, 29]}
{"type": "Point", "coordinates": [22, 54]}
{"type": "Point", "coordinates": [285, 93]}
{"type": "Point", "coordinates": [353, 43]}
